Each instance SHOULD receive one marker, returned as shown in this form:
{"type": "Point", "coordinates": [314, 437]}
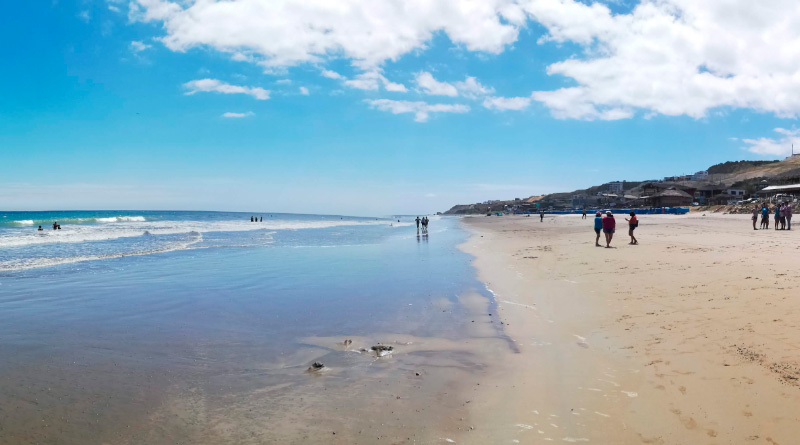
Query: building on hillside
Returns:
{"type": "Point", "coordinates": [615, 187]}
{"type": "Point", "coordinates": [736, 192]}
{"type": "Point", "coordinates": [653, 188]}
{"type": "Point", "coordinates": [723, 199]}
{"type": "Point", "coordinates": [704, 193]}
{"type": "Point", "coordinates": [700, 176]}
{"type": "Point", "coordinates": [671, 197]}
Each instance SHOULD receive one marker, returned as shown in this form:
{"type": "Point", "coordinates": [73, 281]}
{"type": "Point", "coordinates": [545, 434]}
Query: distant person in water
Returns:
{"type": "Point", "coordinates": [584, 214]}
{"type": "Point", "coordinates": [58, 226]}
{"type": "Point", "coordinates": [40, 228]}
{"type": "Point", "coordinates": [417, 220]}
{"type": "Point", "coordinates": [55, 225]}
{"type": "Point", "coordinates": [633, 223]}
{"type": "Point", "coordinates": [262, 219]}
{"type": "Point", "coordinates": [598, 227]}
{"type": "Point", "coordinates": [251, 219]}
{"type": "Point", "coordinates": [609, 226]}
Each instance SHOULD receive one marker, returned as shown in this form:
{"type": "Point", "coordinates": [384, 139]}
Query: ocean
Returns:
{"type": "Point", "coordinates": [124, 316]}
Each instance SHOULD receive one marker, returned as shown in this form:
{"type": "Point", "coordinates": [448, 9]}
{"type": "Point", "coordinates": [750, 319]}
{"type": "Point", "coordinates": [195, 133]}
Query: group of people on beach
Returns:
{"type": "Point", "coordinates": [782, 212]}
{"type": "Point", "coordinates": [424, 222]}
{"type": "Point", "coordinates": [607, 224]}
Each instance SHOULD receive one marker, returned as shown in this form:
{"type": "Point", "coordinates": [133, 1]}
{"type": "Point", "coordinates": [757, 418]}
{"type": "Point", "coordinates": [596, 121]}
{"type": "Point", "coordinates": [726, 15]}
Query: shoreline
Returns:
{"type": "Point", "coordinates": [664, 342]}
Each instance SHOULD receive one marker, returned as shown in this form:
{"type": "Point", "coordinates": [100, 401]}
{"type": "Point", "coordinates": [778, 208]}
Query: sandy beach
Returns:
{"type": "Point", "coordinates": [690, 337]}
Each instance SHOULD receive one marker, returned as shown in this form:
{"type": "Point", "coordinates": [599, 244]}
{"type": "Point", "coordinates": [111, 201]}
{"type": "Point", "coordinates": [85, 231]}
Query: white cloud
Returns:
{"type": "Point", "coordinates": [372, 80]}
{"type": "Point", "coordinates": [421, 110]}
{"type": "Point", "coordinates": [369, 32]}
{"type": "Point", "coordinates": [283, 81]}
{"type": "Point", "coordinates": [669, 57]}
{"type": "Point", "coordinates": [780, 146]}
{"type": "Point", "coordinates": [331, 74]}
{"type": "Point", "coordinates": [429, 85]}
{"type": "Point", "coordinates": [674, 57]}
{"type": "Point", "coordinates": [507, 103]}
{"type": "Point", "coordinates": [469, 87]}
{"type": "Point", "coordinates": [232, 115]}
{"type": "Point", "coordinates": [304, 91]}
{"type": "Point", "coordinates": [137, 46]}
{"type": "Point", "coordinates": [217, 86]}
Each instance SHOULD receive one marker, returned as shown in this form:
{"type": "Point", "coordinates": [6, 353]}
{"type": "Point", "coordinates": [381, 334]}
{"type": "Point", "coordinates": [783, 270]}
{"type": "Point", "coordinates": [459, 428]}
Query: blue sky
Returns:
{"type": "Point", "coordinates": [110, 104]}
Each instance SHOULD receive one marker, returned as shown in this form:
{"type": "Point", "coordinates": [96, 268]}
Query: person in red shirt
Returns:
{"type": "Point", "coordinates": [633, 223]}
{"type": "Point", "coordinates": [609, 224]}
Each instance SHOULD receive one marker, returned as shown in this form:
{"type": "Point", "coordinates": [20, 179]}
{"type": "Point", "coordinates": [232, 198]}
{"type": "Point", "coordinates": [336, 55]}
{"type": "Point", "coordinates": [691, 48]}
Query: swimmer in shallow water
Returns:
{"type": "Point", "coordinates": [40, 228]}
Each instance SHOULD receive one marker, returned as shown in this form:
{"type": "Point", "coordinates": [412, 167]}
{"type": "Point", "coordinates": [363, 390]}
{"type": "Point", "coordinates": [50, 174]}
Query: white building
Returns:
{"type": "Point", "coordinates": [615, 187]}
{"type": "Point", "coordinates": [699, 176]}
{"type": "Point", "coordinates": [735, 192]}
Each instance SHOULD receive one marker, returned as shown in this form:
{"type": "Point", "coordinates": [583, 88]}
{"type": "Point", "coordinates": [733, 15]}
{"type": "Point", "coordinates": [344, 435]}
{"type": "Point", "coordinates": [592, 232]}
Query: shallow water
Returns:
{"type": "Point", "coordinates": [184, 319]}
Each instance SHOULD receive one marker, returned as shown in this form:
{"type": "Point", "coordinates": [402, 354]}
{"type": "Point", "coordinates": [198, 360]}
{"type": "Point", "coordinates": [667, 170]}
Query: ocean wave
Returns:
{"type": "Point", "coordinates": [23, 222]}
{"type": "Point", "coordinates": [135, 228]}
{"type": "Point", "coordinates": [121, 219]}
{"type": "Point", "coordinates": [36, 263]}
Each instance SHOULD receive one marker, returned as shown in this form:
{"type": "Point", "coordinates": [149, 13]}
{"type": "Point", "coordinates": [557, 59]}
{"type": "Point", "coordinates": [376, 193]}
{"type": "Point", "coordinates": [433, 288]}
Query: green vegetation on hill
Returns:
{"type": "Point", "coordinates": [734, 166]}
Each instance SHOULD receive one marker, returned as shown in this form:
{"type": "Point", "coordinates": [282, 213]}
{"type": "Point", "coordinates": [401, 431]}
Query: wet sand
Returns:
{"type": "Point", "coordinates": [689, 337]}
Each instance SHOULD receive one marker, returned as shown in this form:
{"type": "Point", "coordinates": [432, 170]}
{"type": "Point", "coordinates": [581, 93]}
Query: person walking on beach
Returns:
{"type": "Point", "coordinates": [609, 225]}
{"type": "Point", "coordinates": [584, 214]}
{"type": "Point", "coordinates": [425, 224]}
{"type": "Point", "coordinates": [633, 223]}
{"type": "Point", "coordinates": [598, 227]}
{"type": "Point", "coordinates": [541, 215]}
{"type": "Point", "coordinates": [417, 220]}
{"type": "Point", "coordinates": [764, 216]}
{"type": "Point", "coordinates": [787, 213]}
{"type": "Point", "coordinates": [755, 217]}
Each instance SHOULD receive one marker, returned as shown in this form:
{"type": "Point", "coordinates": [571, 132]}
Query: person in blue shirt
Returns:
{"type": "Point", "coordinates": [598, 227]}
{"type": "Point", "coordinates": [764, 216]}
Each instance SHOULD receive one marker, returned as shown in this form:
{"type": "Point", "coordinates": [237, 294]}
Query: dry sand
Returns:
{"type": "Point", "coordinates": [691, 337]}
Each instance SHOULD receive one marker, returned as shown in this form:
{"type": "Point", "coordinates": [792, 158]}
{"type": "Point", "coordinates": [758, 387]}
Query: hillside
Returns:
{"type": "Point", "coordinates": [751, 176]}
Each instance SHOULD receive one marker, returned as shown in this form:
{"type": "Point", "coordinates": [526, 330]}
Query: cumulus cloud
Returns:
{"type": "Point", "coordinates": [779, 146]}
{"type": "Point", "coordinates": [421, 110]}
{"type": "Point", "coordinates": [369, 32]}
{"type": "Point", "coordinates": [669, 57]}
{"type": "Point", "coordinates": [507, 103]}
{"type": "Point", "coordinates": [231, 115]}
{"type": "Point", "coordinates": [138, 46]}
{"type": "Point", "coordinates": [304, 91]}
{"type": "Point", "coordinates": [674, 57]}
{"type": "Point", "coordinates": [429, 85]}
{"type": "Point", "coordinates": [217, 86]}
{"type": "Point", "coordinates": [331, 74]}
{"type": "Point", "coordinates": [469, 87]}
{"type": "Point", "coordinates": [372, 80]}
